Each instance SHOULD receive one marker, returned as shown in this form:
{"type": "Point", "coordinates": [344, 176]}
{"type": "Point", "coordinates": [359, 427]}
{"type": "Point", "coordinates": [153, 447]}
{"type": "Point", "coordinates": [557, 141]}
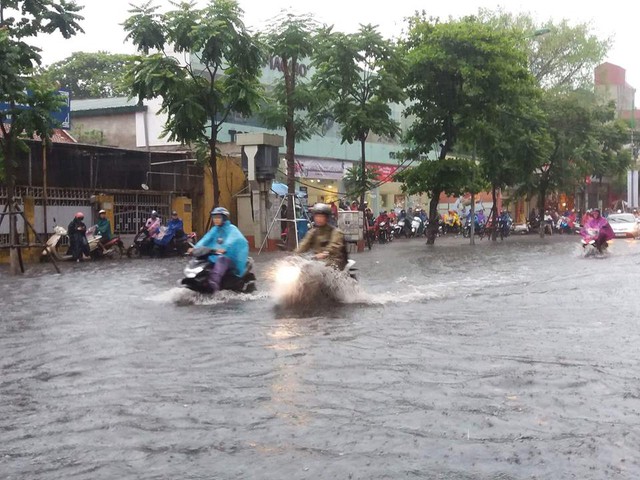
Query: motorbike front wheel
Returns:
{"type": "Point", "coordinates": [133, 251]}
{"type": "Point", "coordinates": [116, 252]}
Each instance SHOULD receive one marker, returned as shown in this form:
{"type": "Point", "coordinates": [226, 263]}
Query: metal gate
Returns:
{"type": "Point", "coordinates": [131, 210]}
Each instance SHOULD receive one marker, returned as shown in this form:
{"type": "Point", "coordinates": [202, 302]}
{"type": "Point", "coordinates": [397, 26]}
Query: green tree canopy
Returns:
{"type": "Point", "coordinates": [467, 82]}
{"type": "Point", "coordinates": [561, 54]}
{"type": "Point", "coordinates": [292, 39]}
{"type": "Point", "coordinates": [217, 72]}
{"type": "Point", "coordinates": [91, 75]}
{"type": "Point", "coordinates": [27, 102]}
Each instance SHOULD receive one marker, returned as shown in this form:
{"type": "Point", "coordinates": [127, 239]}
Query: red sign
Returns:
{"type": "Point", "coordinates": [385, 172]}
{"type": "Point", "coordinates": [587, 179]}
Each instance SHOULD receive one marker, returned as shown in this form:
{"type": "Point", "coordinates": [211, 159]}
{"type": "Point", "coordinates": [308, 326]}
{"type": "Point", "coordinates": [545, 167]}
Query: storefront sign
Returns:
{"type": "Point", "coordinates": [320, 168]}
{"type": "Point", "coordinates": [385, 172]}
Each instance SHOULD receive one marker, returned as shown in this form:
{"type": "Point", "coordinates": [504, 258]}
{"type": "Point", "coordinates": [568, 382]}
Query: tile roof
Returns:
{"type": "Point", "coordinates": [58, 135]}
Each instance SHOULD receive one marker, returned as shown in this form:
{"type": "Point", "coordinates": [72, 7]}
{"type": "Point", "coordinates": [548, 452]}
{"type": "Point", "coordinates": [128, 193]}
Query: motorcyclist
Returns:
{"type": "Point", "coordinates": [152, 225]}
{"type": "Point", "coordinates": [78, 244]}
{"type": "Point", "coordinates": [325, 241]}
{"type": "Point", "coordinates": [103, 227]}
{"type": "Point", "coordinates": [174, 229]}
{"type": "Point", "coordinates": [230, 247]}
{"type": "Point", "coordinates": [596, 230]}
{"type": "Point", "coordinates": [505, 221]}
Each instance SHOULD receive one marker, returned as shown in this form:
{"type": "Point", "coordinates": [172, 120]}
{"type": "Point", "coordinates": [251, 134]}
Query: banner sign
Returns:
{"type": "Point", "coordinates": [61, 117]}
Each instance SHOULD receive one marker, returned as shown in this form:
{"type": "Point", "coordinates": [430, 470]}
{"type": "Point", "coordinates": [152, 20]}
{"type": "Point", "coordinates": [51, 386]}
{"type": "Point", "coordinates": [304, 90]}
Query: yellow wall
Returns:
{"type": "Point", "coordinates": [232, 180]}
{"type": "Point", "coordinates": [183, 206]}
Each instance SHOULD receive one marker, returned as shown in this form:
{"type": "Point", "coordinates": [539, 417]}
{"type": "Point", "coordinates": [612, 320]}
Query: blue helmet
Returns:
{"type": "Point", "coordinates": [220, 211]}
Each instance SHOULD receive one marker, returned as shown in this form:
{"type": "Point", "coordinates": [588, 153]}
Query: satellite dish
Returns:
{"type": "Point", "coordinates": [145, 186]}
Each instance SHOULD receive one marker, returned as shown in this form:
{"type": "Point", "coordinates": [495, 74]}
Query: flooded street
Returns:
{"type": "Point", "coordinates": [510, 361]}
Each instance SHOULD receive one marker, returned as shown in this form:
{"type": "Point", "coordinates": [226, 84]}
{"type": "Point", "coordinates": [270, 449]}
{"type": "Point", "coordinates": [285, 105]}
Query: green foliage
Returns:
{"type": "Point", "coordinates": [561, 55]}
{"type": "Point", "coordinates": [292, 39]}
{"type": "Point", "coordinates": [30, 113]}
{"type": "Point", "coordinates": [355, 185]}
{"type": "Point", "coordinates": [360, 76]}
{"type": "Point", "coordinates": [91, 75]}
{"type": "Point", "coordinates": [218, 72]}
{"type": "Point", "coordinates": [453, 176]}
{"type": "Point", "coordinates": [585, 140]}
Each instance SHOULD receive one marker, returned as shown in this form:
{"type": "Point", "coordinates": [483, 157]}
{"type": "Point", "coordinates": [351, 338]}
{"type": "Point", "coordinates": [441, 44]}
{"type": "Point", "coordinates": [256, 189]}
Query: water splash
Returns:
{"type": "Point", "coordinates": [183, 297]}
{"type": "Point", "coordinates": [301, 282]}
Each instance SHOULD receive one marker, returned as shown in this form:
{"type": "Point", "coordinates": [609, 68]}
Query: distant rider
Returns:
{"type": "Point", "coordinates": [152, 225]}
{"type": "Point", "coordinates": [78, 244]}
{"type": "Point", "coordinates": [597, 230]}
{"type": "Point", "coordinates": [103, 227]}
{"type": "Point", "coordinates": [175, 229]}
{"type": "Point", "coordinates": [324, 240]}
{"type": "Point", "coordinates": [230, 247]}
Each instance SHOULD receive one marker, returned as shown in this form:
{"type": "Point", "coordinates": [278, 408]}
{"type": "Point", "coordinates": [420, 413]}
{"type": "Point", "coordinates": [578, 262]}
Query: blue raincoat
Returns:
{"type": "Point", "coordinates": [229, 238]}
{"type": "Point", "coordinates": [172, 228]}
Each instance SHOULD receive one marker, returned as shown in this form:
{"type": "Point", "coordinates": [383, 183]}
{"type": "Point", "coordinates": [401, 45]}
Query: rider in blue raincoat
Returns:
{"type": "Point", "coordinates": [232, 249]}
{"type": "Point", "coordinates": [175, 228]}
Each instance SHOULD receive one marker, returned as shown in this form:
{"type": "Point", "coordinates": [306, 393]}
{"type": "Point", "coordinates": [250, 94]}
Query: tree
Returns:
{"type": "Point", "coordinates": [27, 104]}
{"type": "Point", "coordinates": [291, 39]}
{"type": "Point", "coordinates": [91, 75]}
{"type": "Point", "coordinates": [561, 55]}
{"type": "Point", "coordinates": [360, 74]}
{"type": "Point", "coordinates": [586, 140]}
{"type": "Point", "coordinates": [454, 176]}
{"type": "Point", "coordinates": [463, 78]}
{"type": "Point", "coordinates": [355, 185]}
{"type": "Point", "coordinates": [219, 72]}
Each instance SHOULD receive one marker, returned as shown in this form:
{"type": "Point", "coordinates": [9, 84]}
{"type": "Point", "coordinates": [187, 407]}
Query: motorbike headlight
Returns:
{"type": "Point", "coordinates": [287, 275]}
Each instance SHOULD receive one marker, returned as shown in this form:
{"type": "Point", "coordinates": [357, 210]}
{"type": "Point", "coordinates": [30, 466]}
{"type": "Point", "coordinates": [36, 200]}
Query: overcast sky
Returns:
{"type": "Point", "coordinates": [613, 18]}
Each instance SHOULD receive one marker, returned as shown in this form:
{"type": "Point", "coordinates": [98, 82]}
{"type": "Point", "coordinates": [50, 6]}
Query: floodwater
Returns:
{"type": "Point", "coordinates": [517, 360]}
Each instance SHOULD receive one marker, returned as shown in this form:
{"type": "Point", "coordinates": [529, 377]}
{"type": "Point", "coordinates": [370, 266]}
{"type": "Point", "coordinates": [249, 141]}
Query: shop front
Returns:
{"type": "Point", "coordinates": [321, 178]}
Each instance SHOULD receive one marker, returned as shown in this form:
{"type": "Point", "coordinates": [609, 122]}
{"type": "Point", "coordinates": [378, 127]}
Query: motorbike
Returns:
{"type": "Point", "coordinates": [112, 249]}
{"type": "Point", "coordinates": [399, 228]}
{"type": "Point", "coordinates": [143, 245]}
{"type": "Point", "coordinates": [417, 227]}
{"type": "Point", "coordinates": [478, 230]}
{"type": "Point", "coordinates": [196, 274]}
{"type": "Point", "coordinates": [590, 247]}
{"type": "Point", "coordinates": [385, 233]}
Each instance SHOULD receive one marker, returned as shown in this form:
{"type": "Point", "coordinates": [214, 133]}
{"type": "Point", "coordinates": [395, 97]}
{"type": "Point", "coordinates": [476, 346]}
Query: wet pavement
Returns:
{"type": "Point", "coordinates": [510, 361]}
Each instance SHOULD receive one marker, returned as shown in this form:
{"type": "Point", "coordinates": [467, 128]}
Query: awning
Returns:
{"type": "Point", "coordinates": [281, 190]}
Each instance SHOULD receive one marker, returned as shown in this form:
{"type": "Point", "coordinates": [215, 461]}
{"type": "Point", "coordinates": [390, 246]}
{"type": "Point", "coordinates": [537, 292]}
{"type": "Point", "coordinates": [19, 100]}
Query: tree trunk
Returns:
{"type": "Point", "coordinates": [290, 142]}
{"type": "Point", "coordinates": [363, 166]}
{"type": "Point", "coordinates": [542, 193]}
{"type": "Point", "coordinates": [14, 256]}
{"type": "Point", "coordinates": [213, 162]}
{"type": "Point", "coordinates": [494, 213]}
{"type": "Point", "coordinates": [472, 220]}
{"type": "Point", "coordinates": [432, 230]}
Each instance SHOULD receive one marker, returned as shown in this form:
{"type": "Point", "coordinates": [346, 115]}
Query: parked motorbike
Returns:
{"type": "Point", "coordinates": [113, 249]}
{"type": "Point", "coordinates": [417, 227]}
{"type": "Point", "coordinates": [143, 245]}
{"type": "Point", "coordinates": [196, 274]}
{"type": "Point", "coordinates": [399, 228]}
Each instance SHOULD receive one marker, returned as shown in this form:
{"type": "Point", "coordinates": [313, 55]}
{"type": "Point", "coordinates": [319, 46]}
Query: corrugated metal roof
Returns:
{"type": "Point", "coordinates": [102, 103]}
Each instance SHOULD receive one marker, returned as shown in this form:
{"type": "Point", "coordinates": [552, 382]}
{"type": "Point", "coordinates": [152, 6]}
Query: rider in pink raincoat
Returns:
{"type": "Point", "coordinates": [597, 230]}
